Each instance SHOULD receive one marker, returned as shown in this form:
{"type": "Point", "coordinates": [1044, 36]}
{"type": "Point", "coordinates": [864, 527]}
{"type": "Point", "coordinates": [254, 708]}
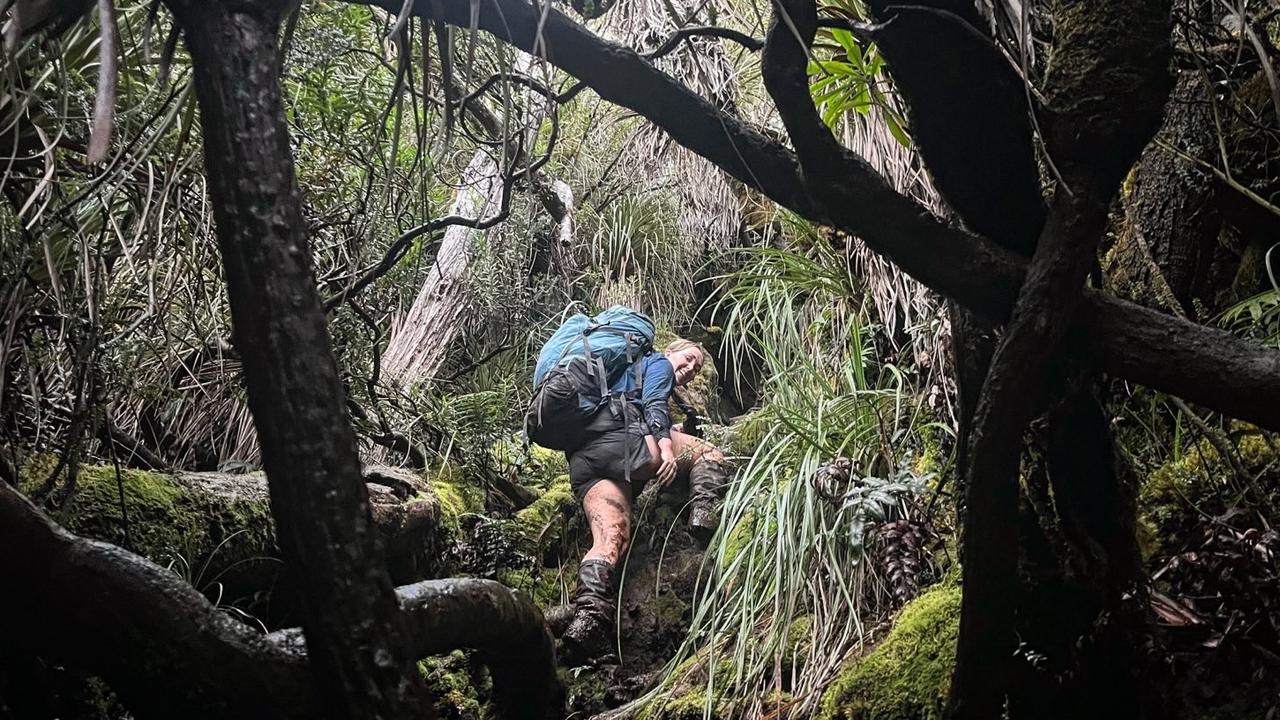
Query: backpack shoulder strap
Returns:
{"type": "Point", "coordinates": [640, 365]}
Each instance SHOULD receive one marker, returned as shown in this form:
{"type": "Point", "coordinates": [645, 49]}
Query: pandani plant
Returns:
{"type": "Point", "coordinates": [790, 590]}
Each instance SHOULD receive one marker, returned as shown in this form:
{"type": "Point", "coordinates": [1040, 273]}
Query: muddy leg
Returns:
{"type": "Point", "coordinates": [609, 514]}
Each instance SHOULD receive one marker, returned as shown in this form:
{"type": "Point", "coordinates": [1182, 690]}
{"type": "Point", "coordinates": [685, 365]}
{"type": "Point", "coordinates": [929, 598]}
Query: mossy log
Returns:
{"type": "Point", "coordinates": [216, 529]}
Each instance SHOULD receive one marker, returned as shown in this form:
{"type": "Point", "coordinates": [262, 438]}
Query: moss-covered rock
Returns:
{"type": "Point", "coordinates": [692, 705]}
{"type": "Point", "coordinates": [216, 529]}
{"type": "Point", "coordinates": [537, 468]}
{"type": "Point", "coordinates": [908, 675]}
{"type": "Point", "coordinates": [542, 522]}
{"type": "Point", "coordinates": [458, 494]}
{"type": "Point", "coordinates": [796, 645]}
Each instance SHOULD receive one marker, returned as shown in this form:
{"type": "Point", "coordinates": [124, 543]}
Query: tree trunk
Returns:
{"type": "Point", "coordinates": [1163, 259]}
{"type": "Point", "coordinates": [1080, 565]}
{"type": "Point", "coordinates": [420, 339]}
{"type": "Point", "coordinates": [1094, 137]}
{"type": "Point", "coordinates": [359, 653]}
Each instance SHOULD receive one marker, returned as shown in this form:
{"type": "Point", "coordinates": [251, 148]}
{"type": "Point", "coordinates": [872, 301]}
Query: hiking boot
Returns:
{"type": "Point", "coordinates": [558, 618]}
{"type": "Point", "coordinates": [591, 631]}
{"type": "Point", "coordinates": [707, 481]}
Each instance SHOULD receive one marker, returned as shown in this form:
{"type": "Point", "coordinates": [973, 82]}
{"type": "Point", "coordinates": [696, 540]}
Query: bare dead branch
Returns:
{"type": "Point", "coordinates": [104, 102]}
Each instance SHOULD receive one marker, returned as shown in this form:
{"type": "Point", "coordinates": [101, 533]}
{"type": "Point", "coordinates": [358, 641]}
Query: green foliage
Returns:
{"type": "Point", "coordinates": [851, 78]}
{"type": "Point", "coordinates": [1176, 498]}
{"type": "Point", "coordinates": [543, 520]}
{"type": "Point", "coordinates": [637, 256]}
{"type": "Point", "coordinates": [854, 80]}
{"type": "Point", "coordinates": [799, 315]}
{"type": "Point", "coordinates": [908, 676]}
{"type": "Point", "coordinates": [1257, 316]}
{"type": "Point", "coordinates": [461, 688]}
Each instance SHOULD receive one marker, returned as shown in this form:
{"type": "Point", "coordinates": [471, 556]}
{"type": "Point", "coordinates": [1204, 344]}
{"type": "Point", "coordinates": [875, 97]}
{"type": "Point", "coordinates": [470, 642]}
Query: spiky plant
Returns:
{"type": "Point", "coordinates": [709, 210]}
{"type": "Point", "coordinates": [853, 90]}
{"type": "Point", "coordinates": [791, 590]}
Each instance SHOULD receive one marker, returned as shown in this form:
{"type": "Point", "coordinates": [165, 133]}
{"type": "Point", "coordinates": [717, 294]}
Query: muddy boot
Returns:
{"type": "Point", "coordinates": [558, 618]}
{"type": "Point", "coordinates": [591, 632]}
{"type": "Point", "coordinates": [707, 481]}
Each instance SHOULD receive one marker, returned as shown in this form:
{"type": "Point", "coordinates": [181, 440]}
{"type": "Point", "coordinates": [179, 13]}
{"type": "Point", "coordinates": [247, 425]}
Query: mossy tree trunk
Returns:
{"type": "Point", "coordinates": [1171, 218]}
{"type": "Point", "coordinates": [971, 123]}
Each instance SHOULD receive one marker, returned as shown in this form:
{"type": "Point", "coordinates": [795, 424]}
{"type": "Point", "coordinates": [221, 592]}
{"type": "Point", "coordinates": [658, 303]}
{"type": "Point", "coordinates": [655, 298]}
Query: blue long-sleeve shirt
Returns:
{"type": "Point", "coordinates": [659, 382]}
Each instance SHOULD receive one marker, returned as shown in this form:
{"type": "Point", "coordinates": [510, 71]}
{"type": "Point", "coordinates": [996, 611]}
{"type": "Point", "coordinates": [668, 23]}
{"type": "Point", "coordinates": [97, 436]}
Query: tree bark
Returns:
{"type": "Point", "coordinates": [971, 124]}
{"type": "Point", "coordinates": [360, 657]}
{"type": "Point", "coordinates": [1110, 82]}
{"type": "Point", "coordinates": [970, 118]}
{"type": "Point", "coordinates": [167, 652]}
{"type": "Point", "coordinates": [1173, 221]}
{"type": "Point", "coordinates": [420, 339]}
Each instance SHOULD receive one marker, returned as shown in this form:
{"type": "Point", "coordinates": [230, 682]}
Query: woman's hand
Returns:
{"type": "Point", "coordinates": [667, 470]}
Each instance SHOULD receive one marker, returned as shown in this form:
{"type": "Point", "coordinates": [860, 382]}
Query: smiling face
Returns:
{"type": "Point", "coordinates": [686, 362]}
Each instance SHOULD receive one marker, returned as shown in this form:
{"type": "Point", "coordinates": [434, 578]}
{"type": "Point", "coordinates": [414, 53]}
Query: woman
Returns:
{"type": "Point", "coordinates": [609, 471]}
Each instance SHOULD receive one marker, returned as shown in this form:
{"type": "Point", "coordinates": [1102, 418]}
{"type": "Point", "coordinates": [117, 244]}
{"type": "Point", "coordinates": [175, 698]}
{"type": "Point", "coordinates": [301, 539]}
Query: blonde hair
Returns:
{"type": "Point", "coordinates": [681, 344]}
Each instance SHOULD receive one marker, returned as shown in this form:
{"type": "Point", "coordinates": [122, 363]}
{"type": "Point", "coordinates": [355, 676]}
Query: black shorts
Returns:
{"type": "Point", "coordinates": [612, 454]}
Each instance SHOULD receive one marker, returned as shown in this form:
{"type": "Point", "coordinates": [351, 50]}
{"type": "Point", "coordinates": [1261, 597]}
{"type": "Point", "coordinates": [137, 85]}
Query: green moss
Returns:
{"type": "Point", "coordinates": [930, 460]}
{"type": "Point", "coordinates": [1179, 494]}
{"type": "Point", "coordinates": [690, 706]}
{"type": "Point", "coordinates": [739, 537]}
{"type": "Point", "coordinates": [747, 433]}
{"type": "Point", "coordinates": [456, 493]}
{"type": "Point", "coordinates": [197, 532]}
{"type": "Point", "coordinates": [797, 644]}
{"type": "Point", "coordinates": [460, 688]}
{"type": "Point", "coordinates": [907, 677]}
{"type": "Point", "coordinates": [670, 609]}
{"type": "Point", "coordinates": [543, 467]}
{"type": "Point", "coordinates": [542, 521]}
{"type": "Point", "coordinates": [538, 467]}
{"type": "Point", "coordinates": [543, 586]}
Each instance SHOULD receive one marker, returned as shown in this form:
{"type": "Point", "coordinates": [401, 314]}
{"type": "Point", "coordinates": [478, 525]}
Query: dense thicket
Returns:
{"type": "Point", "coordinates": [305, 237]}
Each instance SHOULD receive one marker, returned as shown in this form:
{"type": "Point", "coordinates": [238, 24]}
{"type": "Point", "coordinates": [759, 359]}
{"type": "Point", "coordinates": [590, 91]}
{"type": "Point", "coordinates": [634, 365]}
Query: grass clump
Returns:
{"type": "Point", "coordinates": [908, 676]}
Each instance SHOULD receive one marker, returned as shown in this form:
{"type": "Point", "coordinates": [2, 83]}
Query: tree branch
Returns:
{"type": "Point", "coordinates": [360, 659]}
{"type": "Point", "coordinates": [1133, 343]}
{"type": "Point", "coordinates": [169, 653]}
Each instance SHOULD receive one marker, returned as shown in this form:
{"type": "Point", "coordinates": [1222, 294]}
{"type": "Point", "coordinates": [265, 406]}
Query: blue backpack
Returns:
{"type": "Point", "coordinates": [577, 367]}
